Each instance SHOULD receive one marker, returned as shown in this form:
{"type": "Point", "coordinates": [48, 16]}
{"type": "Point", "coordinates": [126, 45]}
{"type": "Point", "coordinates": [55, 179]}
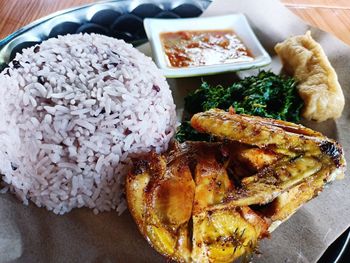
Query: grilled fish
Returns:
{"type": "Point", "coordinates": [305, 153]}
{"type": "Point", "coordinates": [213, 202]}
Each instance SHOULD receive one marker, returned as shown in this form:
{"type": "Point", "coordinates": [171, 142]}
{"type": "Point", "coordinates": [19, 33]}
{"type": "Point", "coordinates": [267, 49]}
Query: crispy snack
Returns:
{"type": "Point", "coordinates": [213, 202]}
{"type": "Point", "coordinates": [304, 59]}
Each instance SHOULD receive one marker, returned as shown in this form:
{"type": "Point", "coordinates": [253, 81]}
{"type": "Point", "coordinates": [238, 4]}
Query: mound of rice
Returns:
{"type": "Point", "coordinates": [72, 111]}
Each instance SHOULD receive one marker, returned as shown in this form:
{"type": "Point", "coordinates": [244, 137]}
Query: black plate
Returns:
{"type": "Point", "coordinates": [122, 19]}
{"type": "Point", "coordinates": [339, 251]}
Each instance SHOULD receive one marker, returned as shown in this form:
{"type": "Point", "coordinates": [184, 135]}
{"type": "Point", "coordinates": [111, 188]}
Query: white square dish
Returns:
{"type": "Point", "coordinates": [236, 22]}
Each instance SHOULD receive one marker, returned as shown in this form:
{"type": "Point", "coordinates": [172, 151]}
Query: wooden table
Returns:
{"type": "Point", "coordinates": [330, 15]}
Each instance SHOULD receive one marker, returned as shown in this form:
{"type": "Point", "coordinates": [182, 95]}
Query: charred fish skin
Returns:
{"type": "Point", "coordinates": [281, 136]}
{"type": "Point", "coordinates": [334, 151]}
{"type": "Point", "coordinates": [213, 202]}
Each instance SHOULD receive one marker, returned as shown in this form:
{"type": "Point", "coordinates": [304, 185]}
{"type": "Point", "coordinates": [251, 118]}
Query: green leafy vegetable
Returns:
{"type": "Point", "coordinates": [187, 133]}
{"type": "Point", "coordinates": [267, 95]}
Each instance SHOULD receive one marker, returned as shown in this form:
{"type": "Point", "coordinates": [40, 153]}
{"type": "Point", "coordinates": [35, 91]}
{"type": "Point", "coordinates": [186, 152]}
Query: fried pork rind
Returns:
{"type": "Point", "coordinates": [213, 202]}
{"type": "Point", "coordinates": [303, 58]}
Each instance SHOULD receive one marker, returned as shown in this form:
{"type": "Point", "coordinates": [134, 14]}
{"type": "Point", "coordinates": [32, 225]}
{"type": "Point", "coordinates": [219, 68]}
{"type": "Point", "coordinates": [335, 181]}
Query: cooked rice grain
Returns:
{"type": "Point", "coordinates": [71, 113]}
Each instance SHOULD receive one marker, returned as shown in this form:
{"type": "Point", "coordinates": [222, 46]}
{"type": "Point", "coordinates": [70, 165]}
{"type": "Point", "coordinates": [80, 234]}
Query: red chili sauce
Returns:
{"type": "Point", "coordinates": [199, 48]}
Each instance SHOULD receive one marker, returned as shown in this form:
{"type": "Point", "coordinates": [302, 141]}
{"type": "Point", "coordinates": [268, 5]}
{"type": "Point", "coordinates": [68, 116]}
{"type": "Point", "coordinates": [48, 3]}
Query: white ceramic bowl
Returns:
{"type": "Point", "coordinates": [236, 22]}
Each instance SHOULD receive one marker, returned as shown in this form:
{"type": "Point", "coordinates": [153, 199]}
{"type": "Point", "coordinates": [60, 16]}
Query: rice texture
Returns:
{"type": "Point", "coordinates": [72, 111]}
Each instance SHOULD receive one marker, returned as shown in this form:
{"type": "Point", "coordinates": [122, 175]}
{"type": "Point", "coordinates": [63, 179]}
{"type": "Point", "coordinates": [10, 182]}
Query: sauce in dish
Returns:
{"type": "Point", "coordinates": [200, 48]}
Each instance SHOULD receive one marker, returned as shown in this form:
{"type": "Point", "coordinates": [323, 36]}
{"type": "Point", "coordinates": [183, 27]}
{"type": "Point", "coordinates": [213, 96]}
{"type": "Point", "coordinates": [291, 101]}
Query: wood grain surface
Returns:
{"type": "Point", "coordinates": [15, 14]}
{"type": "Point", "coordinates": [330, 15]}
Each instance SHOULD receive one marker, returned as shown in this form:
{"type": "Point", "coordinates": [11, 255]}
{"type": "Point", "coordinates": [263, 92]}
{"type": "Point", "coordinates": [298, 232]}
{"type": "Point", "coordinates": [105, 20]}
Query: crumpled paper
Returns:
{"type": "Point", "coordinates": [32, 234]}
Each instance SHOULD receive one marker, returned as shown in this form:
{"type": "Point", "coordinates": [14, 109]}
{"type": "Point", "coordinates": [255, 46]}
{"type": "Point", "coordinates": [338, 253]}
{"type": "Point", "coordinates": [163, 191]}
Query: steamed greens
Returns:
{"type": "Point", "coordinates": [267, 95]}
